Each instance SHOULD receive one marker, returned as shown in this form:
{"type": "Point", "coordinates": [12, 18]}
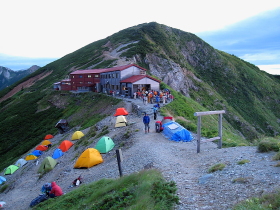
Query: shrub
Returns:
{"type": "Point", "coordinates": [217, 167]}
{"type": "Point", "coordinates": [241, 162]}
{"type": "Point", "coordinates": [268, 145]}
{"type": "Point", "coordinates": [276, 156]}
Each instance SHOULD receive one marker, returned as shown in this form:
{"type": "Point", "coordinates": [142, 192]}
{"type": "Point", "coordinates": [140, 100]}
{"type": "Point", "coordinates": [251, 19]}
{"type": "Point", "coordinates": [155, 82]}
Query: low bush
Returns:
{"type": "Point", "coordinates": [217, 167]}
{"type": "Point", "coordinates": [241, 162]}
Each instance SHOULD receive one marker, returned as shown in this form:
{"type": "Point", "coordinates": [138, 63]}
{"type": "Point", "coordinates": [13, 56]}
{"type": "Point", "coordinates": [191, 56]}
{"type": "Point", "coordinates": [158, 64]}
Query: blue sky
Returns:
{"type": "Point", "coordinates": [38, 32]}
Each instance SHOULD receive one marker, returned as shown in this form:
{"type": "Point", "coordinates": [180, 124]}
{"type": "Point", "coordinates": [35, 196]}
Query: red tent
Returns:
{"type": "Point", "coordinates": [65, 145]}
{"type": "Point", "coordinates": [41, 148]}
{"type": "Point", "coordinates": [121, 111]}
{"type": "Point", "coordinates": [49, 136]}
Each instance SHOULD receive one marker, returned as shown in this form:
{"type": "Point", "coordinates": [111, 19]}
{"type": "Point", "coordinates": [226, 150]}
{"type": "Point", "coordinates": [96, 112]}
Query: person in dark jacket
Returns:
{"type": "Point", "coordinates": [56, 190]}
{"type": "Point", "coordinates": [146, 121]}
{"type": "Point", "coordinates": [46, 188]}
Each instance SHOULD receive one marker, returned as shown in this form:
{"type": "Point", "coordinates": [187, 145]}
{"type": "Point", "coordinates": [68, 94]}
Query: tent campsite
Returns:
{"type": "Point", "coordinates": [37, 153]}
{"type": "Point", "coordinates": [31, 157]}
{"type": "Point", "coordinates": [57, 153]}
{"type": "Point", "coordinates": [41, 148]}
{"type": "Point", "coordinates": [65, 145]}
{"type": "Point", "coordinates": [77, 135]}
{"type": "Point", "coordinates": [48, 136]}
{"type": "Point", "coordinates": [11, 169]}
{"type": "Point", "coordinates": [120, 121]}
{"type": "Point", "coordinates": [121, 111]}
{"type": "Point", "coordinates": [2, 179]}
{"type": "Point", "coordinates": [20, 162]}
{"type": "Point", "coordinates": [176, 132]}
{"type": "Point", "coordinates": [105, 144]}
{"type": "Point", "coordinates": [47, 165]}
{"type": "Point", "coordinates": [89, 158]}
{"type": "Point", "coordinates": [46, 142]}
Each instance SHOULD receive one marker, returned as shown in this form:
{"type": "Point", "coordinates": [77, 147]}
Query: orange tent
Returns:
{"type": "Point", "coordinates": [41, 148]}
{"type": "Point", "coordinates": [121, 111]}
{"type": "Point", "coordinates": [65, 145]}
{"type": "Point", "coordinates": [46, 142]}
{"type": "Point", "coordinates": [49, 136]}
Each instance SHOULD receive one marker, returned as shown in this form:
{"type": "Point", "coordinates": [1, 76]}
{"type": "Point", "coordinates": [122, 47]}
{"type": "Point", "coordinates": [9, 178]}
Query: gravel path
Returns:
{"type": "Point", "coordinates": [178, 161]}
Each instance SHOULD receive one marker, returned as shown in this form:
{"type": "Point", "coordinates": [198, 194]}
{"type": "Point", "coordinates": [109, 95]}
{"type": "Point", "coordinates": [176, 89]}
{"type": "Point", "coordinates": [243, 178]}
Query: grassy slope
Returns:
{"type": "Point", "coordinates": [144, 190]}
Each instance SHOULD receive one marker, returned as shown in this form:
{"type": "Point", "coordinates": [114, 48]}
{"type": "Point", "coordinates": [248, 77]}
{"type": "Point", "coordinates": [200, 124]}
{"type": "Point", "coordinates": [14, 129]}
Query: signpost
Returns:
{"type": "Point", "coordinates": [119, 159]}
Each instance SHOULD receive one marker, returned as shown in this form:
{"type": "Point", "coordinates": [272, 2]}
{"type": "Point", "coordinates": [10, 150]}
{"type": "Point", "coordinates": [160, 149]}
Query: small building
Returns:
{"type": "Point", "coordinates": [123, 80]}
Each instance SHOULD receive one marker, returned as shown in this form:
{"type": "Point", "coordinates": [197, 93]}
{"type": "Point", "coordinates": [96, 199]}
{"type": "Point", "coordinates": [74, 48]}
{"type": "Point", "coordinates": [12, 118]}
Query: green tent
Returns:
{"type": "Point", "coordinates": [11, 169]}
{"type": "Point", "coordinates": [105, 144]}
{"type": "Point", "coordinates": [47, 165]}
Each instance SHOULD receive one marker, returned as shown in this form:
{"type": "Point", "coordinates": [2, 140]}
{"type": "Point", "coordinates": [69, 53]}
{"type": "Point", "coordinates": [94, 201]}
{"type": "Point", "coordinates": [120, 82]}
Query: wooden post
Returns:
{"type": "Point", "coordinates": [119, 159]}
{"type": "Point", "coordinates": [220, 131]}
{"type": "Point", "coordinates": [198, 133]}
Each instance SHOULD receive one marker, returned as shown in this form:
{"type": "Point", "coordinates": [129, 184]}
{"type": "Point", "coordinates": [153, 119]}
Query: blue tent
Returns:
{"type": "Point", "coordinates": [2, 179]}
{"type": "Point", "coordinates": [176, 132]}
{"type": "Point", "coordinates": [57, 153]}
{"type": "Point", "coordinates": [37, 153]}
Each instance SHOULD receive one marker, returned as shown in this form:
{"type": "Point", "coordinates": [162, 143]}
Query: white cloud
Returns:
{"type": "Point", "coordinates": [272, 69]}
{"type": "Point", "coordinates": [265, 56]}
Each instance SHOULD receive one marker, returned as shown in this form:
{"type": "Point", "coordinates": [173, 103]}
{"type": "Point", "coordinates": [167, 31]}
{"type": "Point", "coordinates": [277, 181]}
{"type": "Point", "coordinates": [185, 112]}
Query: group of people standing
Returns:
{"type": "Point", "coordinates": [153, 96]}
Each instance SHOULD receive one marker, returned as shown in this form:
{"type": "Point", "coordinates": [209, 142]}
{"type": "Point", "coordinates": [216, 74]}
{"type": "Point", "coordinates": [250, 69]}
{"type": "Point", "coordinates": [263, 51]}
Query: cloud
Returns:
{"type": "Point", "coordinates": [19, 63]}
{"type": "Point", "coordinates": [272, 69]}
{"type": "Point", "coordinates": [256, 39]}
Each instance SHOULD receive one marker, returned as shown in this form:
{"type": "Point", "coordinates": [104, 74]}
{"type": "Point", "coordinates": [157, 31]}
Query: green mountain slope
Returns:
{"type": "Point", "coordinates": [209, 79]}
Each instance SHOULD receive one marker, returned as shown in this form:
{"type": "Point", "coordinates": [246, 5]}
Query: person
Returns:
{"type": "Point", "coordinates": [145, 100]}
{"type": "Point", "coordinates": [134, 94]}
{"type": "Point", "coordinates": [56, 190]}
{"type": "Point", "coordinates": [155, 111]}
{"type": "Point", "coordinates": [146, 121]}
{"type": "Point", "coordinates": [46, 188]}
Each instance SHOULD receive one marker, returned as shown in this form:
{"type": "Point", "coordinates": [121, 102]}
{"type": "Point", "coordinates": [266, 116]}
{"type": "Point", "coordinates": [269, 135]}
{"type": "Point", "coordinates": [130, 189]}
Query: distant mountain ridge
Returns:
{"type": "Point", "coordinates": [9, 76]}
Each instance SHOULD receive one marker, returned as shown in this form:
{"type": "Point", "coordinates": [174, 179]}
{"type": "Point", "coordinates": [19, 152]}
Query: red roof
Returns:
{"type": "Point", "coordinates": [136, 78]}
{"type": "Point", "coordinates": [98, 71]}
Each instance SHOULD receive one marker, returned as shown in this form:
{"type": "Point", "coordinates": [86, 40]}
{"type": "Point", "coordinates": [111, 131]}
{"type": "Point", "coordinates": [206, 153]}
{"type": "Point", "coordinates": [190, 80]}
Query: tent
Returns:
{"type": "Point", "coordinates": [41, 148]}
{"type": "Point", "coordinates": [37, 153]}
{"type": "Point", "coordinates": [77, 135]}
{"type": "Point", "coordinates": [49, 136]}
{"type": "Point", "coordinates": [120, 121]}
{"type": "Point", "coordinates": [105, 144]}
{"type": "Point", "coordinates": [121, 111]}
{"type": "Point", "coordinates": [46, 142]}
{"type": "Point", "coordinates": [65, 145]}
{"type": "Point", "coordinates": [11, 169]}
{"type": "Point", "coordinates": [2, 179]}
{"type": "Point", "coordinates": [89, 158]}
{"type": "Point", "coordinates": [31, 157]}
{"type": "Point", "coordinates": [57, 153]}
{"type": "Point", "coordinates": [176, 132]}
{"type": "Point", "coordinates": [20, 162]}
{"type": "Point", "coordinates": [47, 165]}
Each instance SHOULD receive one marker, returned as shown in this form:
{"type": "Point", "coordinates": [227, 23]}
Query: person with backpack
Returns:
{"type": "Point", "coordinates": [56, 190]}
{"type": "Point", "coordinates": [46, 188]}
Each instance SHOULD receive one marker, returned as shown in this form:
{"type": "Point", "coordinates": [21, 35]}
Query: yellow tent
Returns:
{"type": "Point", "coordinates": [30, 157]}
{"type": "Point", "coordinates": [120, 121]}
{"type": "Point", "coordinates": [77, 135]}
{"type": "Point", "coordinates": [89, 158]}
{"type": "Point", "coordinates": [46, 142]}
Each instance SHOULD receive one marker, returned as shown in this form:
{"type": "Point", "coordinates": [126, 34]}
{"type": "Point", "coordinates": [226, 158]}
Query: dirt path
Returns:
{"type": "Point", "coordinates": [178, 161]}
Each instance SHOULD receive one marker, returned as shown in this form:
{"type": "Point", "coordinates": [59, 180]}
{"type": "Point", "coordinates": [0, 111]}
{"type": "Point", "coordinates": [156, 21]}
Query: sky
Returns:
{"type": "Point", "coordinates": [37, 32]}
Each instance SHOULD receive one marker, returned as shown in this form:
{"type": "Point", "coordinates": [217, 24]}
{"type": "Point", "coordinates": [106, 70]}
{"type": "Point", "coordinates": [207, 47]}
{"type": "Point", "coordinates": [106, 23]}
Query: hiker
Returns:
{"type": "Point", "coordinates": [134, 94]}
{"type": "Point", "coordinates": [145, 100]}
{"type": "Point", "coordinates": [46, 188]}
{"type": "Point", "coordinates": [56, 190]}
{"type": "Point", "coordinates": [146, 121]}
{"type": "Point", "coordinates": [155, 111]}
